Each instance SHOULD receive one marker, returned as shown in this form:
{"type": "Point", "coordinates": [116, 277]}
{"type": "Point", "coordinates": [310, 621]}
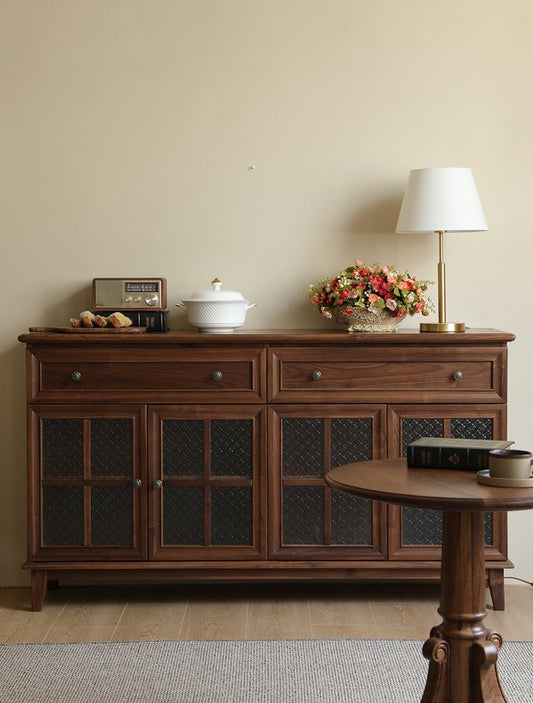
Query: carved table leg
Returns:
{"type": "Point", "coordinates": [461, 651]}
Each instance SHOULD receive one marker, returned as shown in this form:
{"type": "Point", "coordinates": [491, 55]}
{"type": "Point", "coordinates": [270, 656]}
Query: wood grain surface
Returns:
{"type": "Point", "coordinates": [390, 480]}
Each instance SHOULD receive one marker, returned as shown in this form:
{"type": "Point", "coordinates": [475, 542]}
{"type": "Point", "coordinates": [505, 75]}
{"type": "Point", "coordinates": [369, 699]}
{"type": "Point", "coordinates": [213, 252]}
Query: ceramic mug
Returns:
{"type": "Point", "coordinates": [510, 463]}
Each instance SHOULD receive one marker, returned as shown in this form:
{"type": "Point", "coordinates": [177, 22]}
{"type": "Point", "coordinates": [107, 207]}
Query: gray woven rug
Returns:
{"type": "Point", "coordinates": [269, 671]}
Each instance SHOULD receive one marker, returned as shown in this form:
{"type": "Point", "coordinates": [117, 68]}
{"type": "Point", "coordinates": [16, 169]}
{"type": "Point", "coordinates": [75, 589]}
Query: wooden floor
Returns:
{"type": "Point", "coordinates": [251, 611]}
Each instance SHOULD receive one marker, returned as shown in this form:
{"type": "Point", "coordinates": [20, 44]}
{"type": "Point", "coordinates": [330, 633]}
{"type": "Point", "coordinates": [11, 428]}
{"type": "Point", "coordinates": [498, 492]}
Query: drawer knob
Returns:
{"type": "Point", "coordinates": [458, 375]}
{"type": "Point", "coordinates": [76, 375]}
{"type": "Point", "coordinates": [157, 484]}
{"type": "Point", "coordinates": [217, 375]}
{"type": "Point", "coordinates": [317, 375]}
{"type": "Point", "coordinates": [137, 483]}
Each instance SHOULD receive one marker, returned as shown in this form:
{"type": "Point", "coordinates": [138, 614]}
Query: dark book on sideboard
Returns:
{"type": "Point", "coordinates": [449, 453]}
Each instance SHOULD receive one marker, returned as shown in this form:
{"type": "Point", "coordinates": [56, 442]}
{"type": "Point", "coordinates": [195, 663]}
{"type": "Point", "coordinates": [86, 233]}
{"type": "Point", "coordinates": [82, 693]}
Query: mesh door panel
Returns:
{"type": "Point", "coordinates": [303, 446]}
{"type": "Point", "coordinates": [231, 515]}
{"type": "Point", "coordinates": [183, 515]}
{"type": "Point", "coordinates": [351, 440]}
{"type": "Point", "coordinates": [111, 516]}
{"type": "Point", "coordinates": [424, 527]}
{"type": "Point", "coordinates": [303, 515]}
{"type": "Point", "coordinates": [62, 447]}
{"type": "Point", "coordinates": [472, 427]}
{"type": "Point", "coordinates": [112, 447]}
{"type": "Point", "coordinates": [62, 515]}
{"type": "Point", "coordinates": [231, 448]}
{"type": "Point", "coordinates": [183, 447]}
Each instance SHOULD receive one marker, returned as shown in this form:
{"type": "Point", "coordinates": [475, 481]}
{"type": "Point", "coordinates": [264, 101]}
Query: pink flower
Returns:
{"type": "Point", "coordinates": [419, 307]}
{"type": "Point", "coordinates": [391, 304]}
{"type": "Point", "coordinates": [373, 298]}
{"type": "Point", "coordinates": [348, 311]}
{"type": "Point", "coordinates": [402, 285]}
{"type": "Point", "coordinates": [392, 278]}
{"type": "Point", "coordinates": [384, 270]}
{"type": "Point", "coordinates": [325, 313]}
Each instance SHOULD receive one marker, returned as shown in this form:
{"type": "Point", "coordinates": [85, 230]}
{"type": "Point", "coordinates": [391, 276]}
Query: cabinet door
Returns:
{"type": "Point", "coordinates": [415, 533]}
{"type": "Point", "coordinates": [87, 495]}
{"type": "Point", "coordinates": [307, 520]}
{"type": "Point", "coordinates": [207, 497]}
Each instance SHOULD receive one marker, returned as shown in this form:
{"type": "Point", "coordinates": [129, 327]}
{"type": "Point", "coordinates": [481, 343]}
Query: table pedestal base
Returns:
{"type": "Point", "coordinates": [461, 651]}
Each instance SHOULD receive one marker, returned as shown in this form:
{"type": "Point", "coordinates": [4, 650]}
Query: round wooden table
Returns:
{"type": "Point", "coordinates": [462, 653]}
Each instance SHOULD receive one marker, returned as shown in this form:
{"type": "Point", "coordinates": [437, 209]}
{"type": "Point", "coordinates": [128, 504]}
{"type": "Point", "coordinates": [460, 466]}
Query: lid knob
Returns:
{"type": "Point", "coordinates": [217, 284]}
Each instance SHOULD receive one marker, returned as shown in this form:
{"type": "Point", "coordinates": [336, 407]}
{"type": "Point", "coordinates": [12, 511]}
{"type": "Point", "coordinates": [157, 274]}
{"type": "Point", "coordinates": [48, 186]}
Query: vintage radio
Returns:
{"type": "Point", "coordinates": [141, 299]}
{"type": "Point", "coordinates": [129, 293]}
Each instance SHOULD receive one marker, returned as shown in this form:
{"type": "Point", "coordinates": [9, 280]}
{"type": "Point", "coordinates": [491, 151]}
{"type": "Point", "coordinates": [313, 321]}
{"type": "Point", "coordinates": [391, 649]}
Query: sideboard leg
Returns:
{"type": "Point", "coordinates": [38, 589]}
{"type": "Point", "coordinates": [496, 587]}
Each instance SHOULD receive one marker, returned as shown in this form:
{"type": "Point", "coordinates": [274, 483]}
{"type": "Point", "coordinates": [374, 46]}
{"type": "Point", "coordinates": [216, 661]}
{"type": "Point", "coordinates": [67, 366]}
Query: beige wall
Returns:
{"type": "Point", "coordinates": [130, 127]}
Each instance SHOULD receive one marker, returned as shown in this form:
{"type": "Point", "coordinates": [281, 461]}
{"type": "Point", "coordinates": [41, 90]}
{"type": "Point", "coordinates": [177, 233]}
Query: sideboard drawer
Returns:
{"type": "Point", "coordinates": [150, 375]}
{"type": "Point", "coordinates": [393, 374]}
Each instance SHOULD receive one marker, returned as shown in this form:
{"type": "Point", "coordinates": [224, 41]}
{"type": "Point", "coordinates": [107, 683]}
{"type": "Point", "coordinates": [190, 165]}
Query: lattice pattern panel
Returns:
{"type": "Point", "coordinates": [424, 527]}
{"type": "Point", "coordinates": [303, 446]}
{"type": "Point", "coordinates": [112, 447]}
{"type": "Point", "coordinates": [231, 448]}
{"type": "Point", "coordinates": [487, 525]}
{"type": "Point", "coordinates": [112, 516]}
{"type": "Point", "coordinates": [62, 516]}
{"type": "Point", "coordinates": [183, 515]}
{"type": "Point", "coordinates": [303, 515]}
{"type": "Point", "coordinates": [351, 519]}
{"type": "Point", "coordinates": [414, 428]}
{"type": "Point", "coordinates": [62, 447]}
{"type": "Point", "coordinates": [231, 515]}
{"type": "Point", "coordinates": [351, 440]}
{"type": "Point", "coordinates": [421, 527]}
{"type": "Point", "coordinates": [183, 447]}
{"type": "Point", "coordinates": [471, 427]}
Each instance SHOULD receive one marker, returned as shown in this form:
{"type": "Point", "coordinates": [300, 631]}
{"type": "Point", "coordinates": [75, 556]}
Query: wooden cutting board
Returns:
{"type": "Point", "coordinates": [90, 330]}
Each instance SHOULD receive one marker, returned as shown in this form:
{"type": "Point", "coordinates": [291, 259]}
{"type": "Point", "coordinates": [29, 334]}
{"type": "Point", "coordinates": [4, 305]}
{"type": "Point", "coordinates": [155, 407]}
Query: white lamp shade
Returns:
{"type": "Point", "coordinates": [441, 200]}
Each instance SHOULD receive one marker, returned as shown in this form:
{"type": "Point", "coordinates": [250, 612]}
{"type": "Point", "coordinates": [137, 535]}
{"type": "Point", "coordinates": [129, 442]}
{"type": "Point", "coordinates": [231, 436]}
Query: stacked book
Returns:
{"type": "Point", "coordinates": [449, 453]}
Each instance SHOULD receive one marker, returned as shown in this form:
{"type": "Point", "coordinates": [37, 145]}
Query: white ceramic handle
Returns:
{"type": "Point", "coordinates": [250, 305]}
{"type": "Point", "coordinates": [181, 305]}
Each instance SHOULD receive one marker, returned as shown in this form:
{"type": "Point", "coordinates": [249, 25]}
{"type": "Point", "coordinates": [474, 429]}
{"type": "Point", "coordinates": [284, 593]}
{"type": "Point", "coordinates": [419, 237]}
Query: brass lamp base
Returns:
{"type": "Point", "coordinates": [442, 327]}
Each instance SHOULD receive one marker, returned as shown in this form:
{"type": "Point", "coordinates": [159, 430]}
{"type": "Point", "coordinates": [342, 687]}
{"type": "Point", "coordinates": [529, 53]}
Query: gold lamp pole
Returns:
{"type": "Point", "coordinates": [441, 200]}
{"type": "Point", "coordinates": [441, 325]}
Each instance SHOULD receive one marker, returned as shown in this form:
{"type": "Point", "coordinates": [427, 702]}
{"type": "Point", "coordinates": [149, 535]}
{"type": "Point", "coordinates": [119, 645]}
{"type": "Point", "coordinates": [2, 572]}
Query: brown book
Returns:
{"type": "Point", "coordinates": [450, 453]}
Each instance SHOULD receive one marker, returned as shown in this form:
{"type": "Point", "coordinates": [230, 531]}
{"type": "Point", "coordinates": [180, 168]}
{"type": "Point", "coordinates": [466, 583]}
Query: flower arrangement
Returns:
{"type": "Point", "coordinates": [377, 289]}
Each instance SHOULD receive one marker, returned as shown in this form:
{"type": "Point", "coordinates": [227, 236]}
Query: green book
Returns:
{"type": "Point", "coordinates": [449, 453]}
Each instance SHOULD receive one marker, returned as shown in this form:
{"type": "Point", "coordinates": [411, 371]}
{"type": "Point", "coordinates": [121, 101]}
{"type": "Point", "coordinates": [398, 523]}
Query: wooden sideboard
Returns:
{"type": "Point", "coordinates": [196, 457]}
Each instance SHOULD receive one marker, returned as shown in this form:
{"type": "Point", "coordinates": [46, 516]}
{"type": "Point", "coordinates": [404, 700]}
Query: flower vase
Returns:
{"type": "Point", "coordinates": [363, 320]}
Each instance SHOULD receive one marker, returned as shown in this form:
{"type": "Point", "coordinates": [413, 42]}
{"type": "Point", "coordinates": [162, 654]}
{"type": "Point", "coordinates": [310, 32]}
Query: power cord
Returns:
{"type": "Point", "coordinates": [515, 578]}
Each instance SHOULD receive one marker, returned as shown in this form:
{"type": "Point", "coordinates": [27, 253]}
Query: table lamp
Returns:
{"type": "Point", "coordinates": [441, 200]}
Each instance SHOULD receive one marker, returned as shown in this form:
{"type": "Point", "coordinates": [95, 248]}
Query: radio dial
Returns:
{"type": "Point", "coordinates": [137, 299]}
{"type": "Point", "coordinates": [151, 300]}
{"type": "Point", "coordinates": [128, 299]}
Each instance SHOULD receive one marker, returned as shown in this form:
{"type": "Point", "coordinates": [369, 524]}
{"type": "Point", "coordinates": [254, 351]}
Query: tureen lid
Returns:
{"type": "Point", "coordinates": [215, 293]}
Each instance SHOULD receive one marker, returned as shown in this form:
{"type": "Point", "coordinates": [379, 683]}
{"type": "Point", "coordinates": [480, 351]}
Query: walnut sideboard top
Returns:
{"type": "Point", "coordinates": [268, 366]}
